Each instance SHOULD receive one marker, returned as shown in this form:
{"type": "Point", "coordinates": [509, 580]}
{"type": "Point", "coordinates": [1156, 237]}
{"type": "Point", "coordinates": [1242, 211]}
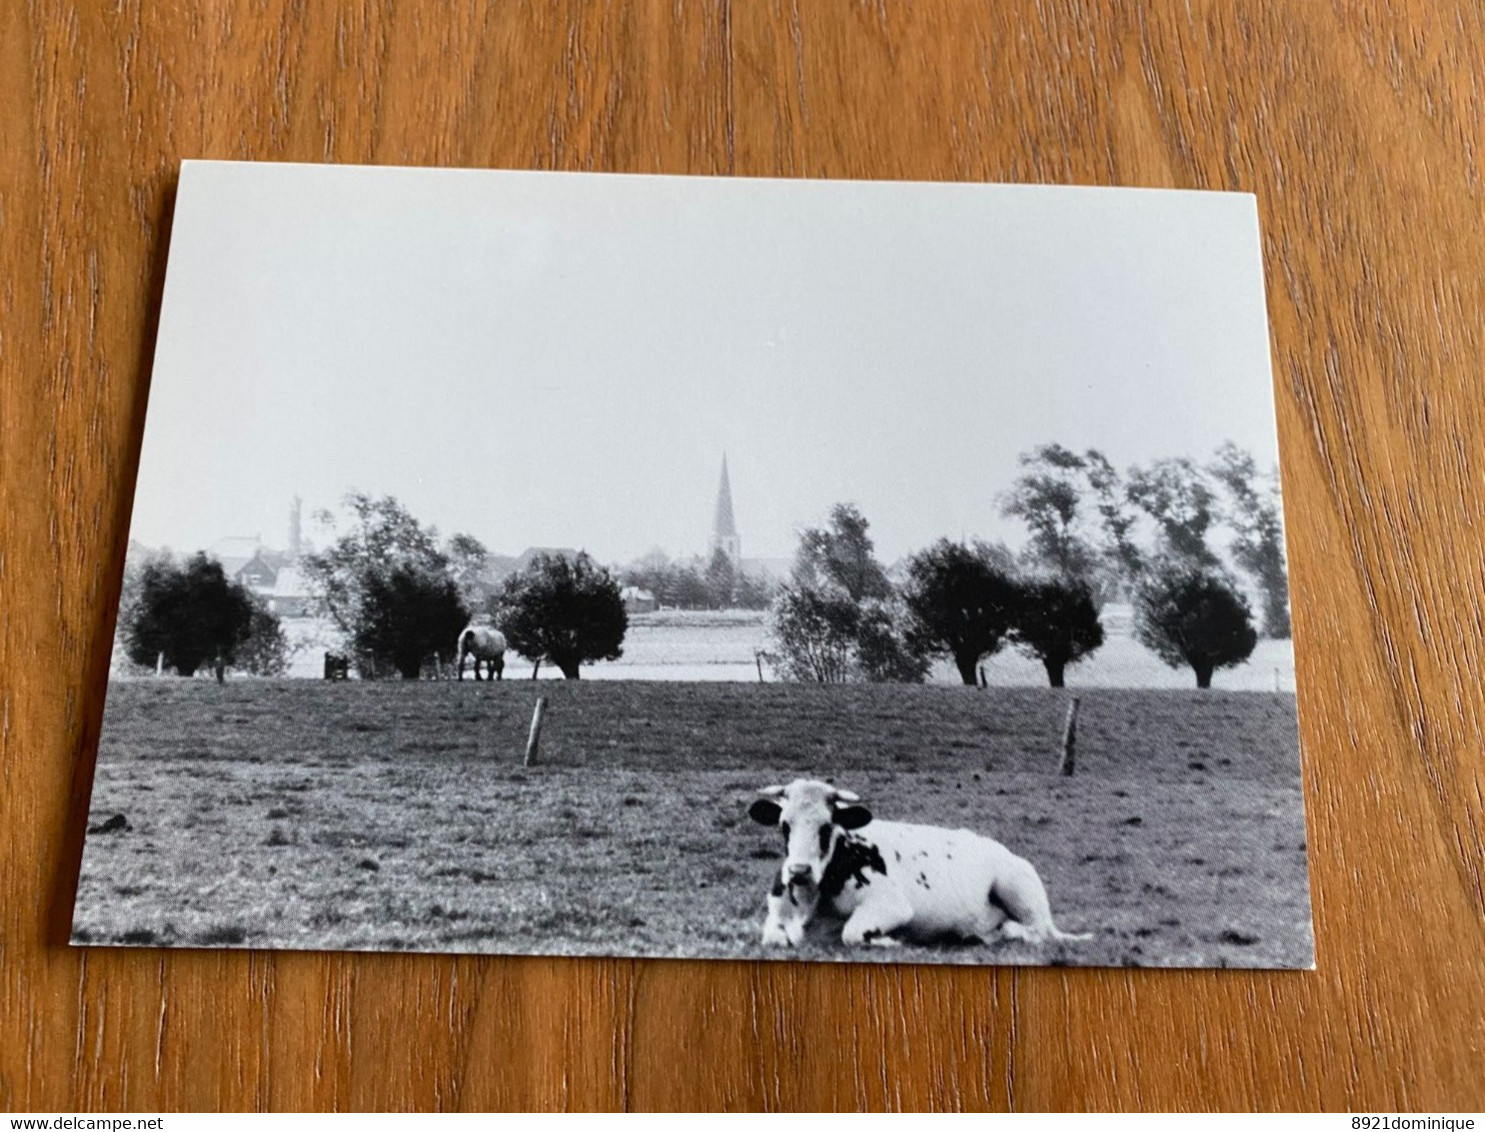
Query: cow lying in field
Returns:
{"type": "Point", "coordinates": [892, 881]}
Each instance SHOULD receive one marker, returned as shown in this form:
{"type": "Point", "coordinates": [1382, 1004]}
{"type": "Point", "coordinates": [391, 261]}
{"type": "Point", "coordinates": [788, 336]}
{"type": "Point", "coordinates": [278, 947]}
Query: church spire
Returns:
{"type": "Point", "coordinates": [724, 524]}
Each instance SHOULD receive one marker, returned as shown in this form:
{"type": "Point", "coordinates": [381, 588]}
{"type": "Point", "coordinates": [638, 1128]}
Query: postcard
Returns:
{"type": "Point", "coordinates": [579, 564]}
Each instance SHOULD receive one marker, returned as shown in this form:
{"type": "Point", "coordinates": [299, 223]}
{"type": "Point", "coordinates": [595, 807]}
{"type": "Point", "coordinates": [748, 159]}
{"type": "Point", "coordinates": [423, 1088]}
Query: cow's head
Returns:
{"type": "Point", "coordinates": [812, 816]}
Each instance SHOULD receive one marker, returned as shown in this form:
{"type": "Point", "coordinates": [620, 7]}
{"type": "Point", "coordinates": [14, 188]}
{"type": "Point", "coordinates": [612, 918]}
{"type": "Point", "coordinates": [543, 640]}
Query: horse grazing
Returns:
{"type": "Point", "coordinates": [483, 643]}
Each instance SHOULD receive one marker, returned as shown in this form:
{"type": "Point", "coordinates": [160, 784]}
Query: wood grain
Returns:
{"type": "Point", "coordinates": [1359, 129]}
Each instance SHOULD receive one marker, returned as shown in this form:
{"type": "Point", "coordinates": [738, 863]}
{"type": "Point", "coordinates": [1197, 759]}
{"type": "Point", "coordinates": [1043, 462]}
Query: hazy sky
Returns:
{"type": "Point", "coordinates": [554, 359]}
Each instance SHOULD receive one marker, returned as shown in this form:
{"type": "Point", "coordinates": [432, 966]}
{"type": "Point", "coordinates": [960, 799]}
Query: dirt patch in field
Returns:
{"type": "Point", "coordinates": [396, 816]}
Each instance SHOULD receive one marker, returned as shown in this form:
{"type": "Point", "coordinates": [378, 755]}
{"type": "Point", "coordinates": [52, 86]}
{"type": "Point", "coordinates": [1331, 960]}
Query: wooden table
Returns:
{"type": "Point", "coordinates": [1360, 133]}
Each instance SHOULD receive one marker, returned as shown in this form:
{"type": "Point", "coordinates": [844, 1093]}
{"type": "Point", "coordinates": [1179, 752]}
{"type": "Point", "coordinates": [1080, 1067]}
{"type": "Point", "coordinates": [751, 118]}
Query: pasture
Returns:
{"type": "Point", "coordinates": [699, 645]}
{"type": "Point", "coordinates": [300, 814]}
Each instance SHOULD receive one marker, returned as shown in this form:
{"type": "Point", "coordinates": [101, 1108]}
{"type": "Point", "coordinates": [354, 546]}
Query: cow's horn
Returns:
{"type": "Point", "coordinates": [772, 791]}
{"type": "Point", "coordinates": [837, 795]}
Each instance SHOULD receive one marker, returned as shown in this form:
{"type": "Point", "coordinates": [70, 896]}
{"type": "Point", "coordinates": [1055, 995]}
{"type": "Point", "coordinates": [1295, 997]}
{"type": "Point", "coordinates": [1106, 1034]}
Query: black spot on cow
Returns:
{"type": "Point", "coordinates": [852, 857]}
{"type": "Point", "coordinates": [898, 854]}
{"type": "Point", "coordinates": [923, 880]}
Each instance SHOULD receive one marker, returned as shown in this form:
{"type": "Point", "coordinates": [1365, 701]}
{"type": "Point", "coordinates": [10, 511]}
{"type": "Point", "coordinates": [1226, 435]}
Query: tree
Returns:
{"type": "Point", "coordinates": [566, 611]}
{"type": "Point", "coordinates": [407, 613]}
{"type": "Point", "coordinates": [1191, 615]}
{"type": "Point", "coordinates": [1258, 544]}
{"type": "Point", "coordinates": [651, 572]}
{"type": "Point", "coordinates": [136, 558]}
{"type": "Point", "coordinates": [192, 614]}
{"type": "Point", "coordinates": [469, 563]}
{"type": "Point", "coordinates": [1058, 624]}
{"type": "Point", "coordinates": [752, 591]}
{"type": "Point", "coordinates": [685, 588]}
{"type": "Point", "coordinates": [821, 636]}
{"type": "Point", "coordinates": [814, 630]}
{"type": "Point", "coordinates": [888, 649]}
{"type": "Point", "coordinates": [842, 554]}
{"type": "Point", "coordinates": [721, 580]}
{"type": "Point", "coordinates": [721, 585]}
{"type": "Point", "coordinates": [1048, 498]}
{"type": "Point", "coordinates": [839, 618]}
{"type": "Point", "coordinates": [267, 651]}
{"type": "Point", "coordinates": [1176, 495]}
{"type": "Point", "coordinates": [964, 604]}
{"type": "Point", "coordinates": [385, 556]}
{"type": "Point", "coordinates": [383, 535]}
{"type": "Point", "coordinates": [1121, 555]}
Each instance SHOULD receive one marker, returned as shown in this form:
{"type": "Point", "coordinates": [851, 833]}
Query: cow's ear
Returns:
{"type": "Point", "coordinates": [851, 817]}
{"type": "Point", "coordinates": [765, 812]}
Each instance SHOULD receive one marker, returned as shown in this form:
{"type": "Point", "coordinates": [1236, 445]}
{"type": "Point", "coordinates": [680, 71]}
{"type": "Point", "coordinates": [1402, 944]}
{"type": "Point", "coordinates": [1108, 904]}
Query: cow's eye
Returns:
{"type": "Point", "coordinates": [824, 838]}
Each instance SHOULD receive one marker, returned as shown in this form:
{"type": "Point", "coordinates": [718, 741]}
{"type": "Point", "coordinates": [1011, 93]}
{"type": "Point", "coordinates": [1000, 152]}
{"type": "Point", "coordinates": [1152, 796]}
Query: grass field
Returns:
{"type": "Point", "coordinates": [301, 814]}
{"type": "Point", "coordinates": [696, 645]}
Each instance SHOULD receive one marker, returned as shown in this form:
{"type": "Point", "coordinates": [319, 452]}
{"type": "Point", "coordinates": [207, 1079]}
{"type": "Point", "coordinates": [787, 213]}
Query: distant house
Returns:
{"type": "Point", "coordinates": [248, 561]}
{"type": "Point", "coordinates": [257, 573]}
{"type": "Point", "coordinates": [637, 600]}
{"type": "Point", "coordinates": [289, 595]}
{"type": "Point", "coordinates": [235, 553]}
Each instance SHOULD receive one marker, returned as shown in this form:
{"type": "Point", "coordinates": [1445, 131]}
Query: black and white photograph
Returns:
{"type": "Point", "coordinates": [586, 564]}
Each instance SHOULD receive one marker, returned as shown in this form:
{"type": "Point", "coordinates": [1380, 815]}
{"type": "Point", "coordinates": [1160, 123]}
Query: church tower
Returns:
{"type": "Point", "coordinates": [296, 529]}
{"type": "Point", "coordinates": [724, 526]}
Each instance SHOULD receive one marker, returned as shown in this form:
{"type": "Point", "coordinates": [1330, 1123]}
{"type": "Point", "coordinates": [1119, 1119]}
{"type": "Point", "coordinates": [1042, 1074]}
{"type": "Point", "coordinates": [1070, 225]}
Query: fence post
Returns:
{"type": "Point", "coordinates": [533, 741]}
{"type": "Point", "coordinates": [1069, 739]}
{"type": "Point", "coordinates": [758, 660]}
{"type": "Point", "coordinates": [983, 682]}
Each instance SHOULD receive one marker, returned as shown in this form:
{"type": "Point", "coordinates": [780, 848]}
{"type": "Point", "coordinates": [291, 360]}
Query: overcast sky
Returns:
{"type": "Point", "coordinates": [561, 360]}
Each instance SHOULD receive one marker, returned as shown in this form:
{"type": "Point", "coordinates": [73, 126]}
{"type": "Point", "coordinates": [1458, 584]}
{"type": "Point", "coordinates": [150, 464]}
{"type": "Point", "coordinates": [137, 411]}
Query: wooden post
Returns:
{"type": "Point", "coordinates": [535, 667]}
{"type": "Point", "coordinates": [534, 739]}
{"type": "Point", "coordinates": [758, 660]}
{"type": "Point", "coordinates": [983, 682]}
{"type": "Point", "coordinates": [1069, 739]}
{"type": "Point", "coordinates": [160, 665]}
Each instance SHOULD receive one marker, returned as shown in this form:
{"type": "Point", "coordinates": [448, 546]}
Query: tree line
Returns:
{"type": "Point", "coordinates": [1149, 535]}
{"type": "Point", "coordinates": [186, 616]}
{"type": "Point", "coordinates": [719, 584]}
{"type": "Point", "coordinates": [1172, 537]}
{"type": "Point", "coordinates": [400, 596]}
{"type": "Point", "coordinates": [398, 593]}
